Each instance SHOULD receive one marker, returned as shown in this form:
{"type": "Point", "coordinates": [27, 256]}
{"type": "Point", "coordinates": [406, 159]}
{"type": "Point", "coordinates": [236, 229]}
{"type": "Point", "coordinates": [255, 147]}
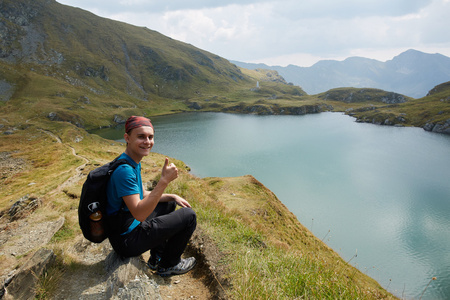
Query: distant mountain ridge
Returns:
{"type": "Point", "coordinates": [412, 73]}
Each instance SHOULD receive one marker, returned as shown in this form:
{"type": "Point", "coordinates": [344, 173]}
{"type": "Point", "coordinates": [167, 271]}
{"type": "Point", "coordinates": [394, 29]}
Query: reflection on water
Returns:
{"type": "Point", "coordinates": [381, 191]}
{"type": "Point", "coordinates": [425, 237]}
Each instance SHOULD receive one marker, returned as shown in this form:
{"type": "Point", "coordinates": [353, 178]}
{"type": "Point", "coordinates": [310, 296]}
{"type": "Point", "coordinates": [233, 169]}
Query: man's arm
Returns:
{"type": "Point", "coordinates": [141, 209]}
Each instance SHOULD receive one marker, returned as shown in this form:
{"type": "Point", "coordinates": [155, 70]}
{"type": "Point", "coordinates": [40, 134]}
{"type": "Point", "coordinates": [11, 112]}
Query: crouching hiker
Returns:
{"type": "Point", "coordinates": [141, 220]}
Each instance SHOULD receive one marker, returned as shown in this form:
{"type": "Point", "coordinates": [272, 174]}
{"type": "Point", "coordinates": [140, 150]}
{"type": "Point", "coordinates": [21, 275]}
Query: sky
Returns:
{"type": "Point", "coordinates": [283, 32]}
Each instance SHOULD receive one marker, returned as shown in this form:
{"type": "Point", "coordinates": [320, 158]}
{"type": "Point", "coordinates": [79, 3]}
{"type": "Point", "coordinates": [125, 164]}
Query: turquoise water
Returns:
{"type": "Point", "coordinates": [380, 192]}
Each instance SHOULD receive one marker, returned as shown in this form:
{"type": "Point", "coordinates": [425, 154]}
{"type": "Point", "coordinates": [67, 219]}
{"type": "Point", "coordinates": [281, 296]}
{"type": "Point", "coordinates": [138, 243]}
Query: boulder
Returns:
{"type": "Point", "coordinates": [438, 128]}
{"type": "Point", "coordinates": [23, 284]}
{"type": "Point", "coordinates": [127, 280]}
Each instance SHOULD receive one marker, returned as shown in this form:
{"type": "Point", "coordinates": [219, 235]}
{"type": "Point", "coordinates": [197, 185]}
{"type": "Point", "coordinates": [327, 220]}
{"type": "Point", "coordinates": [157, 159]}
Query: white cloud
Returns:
{"type": "Point", "coordinates": [345, 9]}
{"type": "Point", "coordinates": [290, 31]}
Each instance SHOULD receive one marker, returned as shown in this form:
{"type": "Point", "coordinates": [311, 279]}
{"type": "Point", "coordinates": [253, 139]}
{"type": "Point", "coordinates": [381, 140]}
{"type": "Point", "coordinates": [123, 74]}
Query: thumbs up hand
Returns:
{"type": "Point", "coordinates": [169, 171]}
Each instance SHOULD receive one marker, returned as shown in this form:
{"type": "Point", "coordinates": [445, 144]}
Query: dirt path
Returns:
{"type": "Point", "coordinates": [78, 171]}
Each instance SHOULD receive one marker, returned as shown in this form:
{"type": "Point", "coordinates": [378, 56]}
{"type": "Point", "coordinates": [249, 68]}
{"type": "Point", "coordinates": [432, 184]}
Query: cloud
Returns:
{"type": "Point", "coordinates": [380, 36]}
{"type": "Point", "coordinates": [306, 31]}
{"type": "Point", "coordinates": [286, 8]}
{"type": "Point", "coordinates": [151, 6]}
{"type": "Point", "coordinates": [345, 9]}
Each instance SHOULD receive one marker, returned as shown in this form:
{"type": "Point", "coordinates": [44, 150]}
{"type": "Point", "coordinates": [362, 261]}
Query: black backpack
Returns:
{"type": "Point", "coordinates": [93, 198]}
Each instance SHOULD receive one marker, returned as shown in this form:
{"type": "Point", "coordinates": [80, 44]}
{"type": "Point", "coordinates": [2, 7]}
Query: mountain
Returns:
{"type": "Point", "coordinates": [65, 64]}
{"type": "Point", "coordinates": [412, 73]}
{"type": "Point", "coordinates": [60, 37]}
{"type": "Point", "coordinates": [71, 65]}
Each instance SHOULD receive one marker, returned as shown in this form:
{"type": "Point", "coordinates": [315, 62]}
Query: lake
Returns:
{"type": "Point", "coordinates": [380, 192]}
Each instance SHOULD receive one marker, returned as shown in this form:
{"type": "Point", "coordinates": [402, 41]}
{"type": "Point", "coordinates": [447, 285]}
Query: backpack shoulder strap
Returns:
{"type": "Point", "coordinates": [113, 166]}
{"type": "Point", "coordinates": [117, 162]}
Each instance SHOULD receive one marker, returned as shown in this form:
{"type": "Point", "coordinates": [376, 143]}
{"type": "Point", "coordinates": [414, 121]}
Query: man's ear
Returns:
{"type": "Point", "coordinates": [126, 137]}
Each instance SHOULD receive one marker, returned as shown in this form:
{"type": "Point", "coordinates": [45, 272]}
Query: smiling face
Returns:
{"type": "Point", "coordinates": [139, 142]}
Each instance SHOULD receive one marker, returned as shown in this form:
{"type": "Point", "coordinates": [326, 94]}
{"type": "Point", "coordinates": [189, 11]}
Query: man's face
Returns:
{"type": "Point", "coordinates": [140, 141]}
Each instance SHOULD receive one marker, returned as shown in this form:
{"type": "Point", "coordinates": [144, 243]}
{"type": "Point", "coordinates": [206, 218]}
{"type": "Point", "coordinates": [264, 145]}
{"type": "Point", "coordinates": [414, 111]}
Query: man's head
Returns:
{"type": "Point", "coordinates": [139, 136]}
{"type": "Point", "coordinates": [135, 122]}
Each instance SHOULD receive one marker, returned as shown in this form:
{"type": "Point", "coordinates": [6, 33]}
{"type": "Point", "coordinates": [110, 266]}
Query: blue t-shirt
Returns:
{"type": "Point", "coordinates": [125, 180]}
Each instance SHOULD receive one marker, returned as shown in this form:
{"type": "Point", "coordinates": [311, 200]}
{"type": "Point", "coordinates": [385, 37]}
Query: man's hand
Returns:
{"type": "Point", "coordinates": [180, 201]}
{"type": "Point", "coordinates": [169, 172]}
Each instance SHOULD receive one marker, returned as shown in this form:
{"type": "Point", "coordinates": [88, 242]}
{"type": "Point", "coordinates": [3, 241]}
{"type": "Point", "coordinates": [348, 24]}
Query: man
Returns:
{"type": "Point", "coordinates": [141, 220]}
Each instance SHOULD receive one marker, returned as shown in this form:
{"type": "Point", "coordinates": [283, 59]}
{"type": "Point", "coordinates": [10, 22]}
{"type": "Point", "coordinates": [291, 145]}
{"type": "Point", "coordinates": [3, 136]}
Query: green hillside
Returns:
{"type": "Point", "coordinates": [431, 112]}
{"type": "Point", "coordinates": [68, 64]}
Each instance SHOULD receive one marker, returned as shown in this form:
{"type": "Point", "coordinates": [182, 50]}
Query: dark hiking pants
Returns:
{"type": "Point", "coordinates": [165, 232]}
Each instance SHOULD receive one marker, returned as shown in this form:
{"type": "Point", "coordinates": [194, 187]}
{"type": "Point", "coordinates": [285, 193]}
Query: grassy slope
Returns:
{"type": "Point", "coordinates": [433, 108]}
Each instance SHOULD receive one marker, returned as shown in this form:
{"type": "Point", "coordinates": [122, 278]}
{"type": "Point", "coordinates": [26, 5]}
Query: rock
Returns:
{"type": "Point", "coordinates": [387, 122]}
{"type": "Point", "coordinates": [106, 275]}
{"type": "Point", "coordinates": [119, 119]}
{"type": "Point", "coordinates": [16, 241]}
{"type": "Point", "coordinates": [23, 206]}
{"type": "Point", "coordinates": [6, 90]}
{"type": "Point", "coordinates": [53, 116]}
{"type": "Point", "coordinates": [78, 139]}
{"type": "Point", "coordinates": [442, 128]}
{"type": "Point", "coordinates": [8, 132]}
{"type": "Point", "coordinates": [194, 105]}
{"type": "Point", "coordinates": [23, 283]}
{"type": "Point", "coordinates": [28, 236]}
{"type": "Point", "coordinates": [141, 287]}
{"type": "Point", "coordinates": [84, 99]}
{"type": "Point", "coordinates": [428, 126]}
{"type": "Point", "coordinates": [127, 280]}
{"type": "Point", "coordinates": [393, 98]}
{"type": "Point", "coordinates": [438, 128]}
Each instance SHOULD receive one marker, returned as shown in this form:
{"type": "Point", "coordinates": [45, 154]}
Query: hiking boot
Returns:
{"type": "Point", "coordinates": [153, 262]}
{"type": "Point", "coordinates": [184, 266]}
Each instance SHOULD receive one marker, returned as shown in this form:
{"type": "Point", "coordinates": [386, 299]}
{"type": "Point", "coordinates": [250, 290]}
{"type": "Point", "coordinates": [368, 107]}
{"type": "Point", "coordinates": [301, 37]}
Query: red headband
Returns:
{"type": "Point", "coordinates": [135, 122]}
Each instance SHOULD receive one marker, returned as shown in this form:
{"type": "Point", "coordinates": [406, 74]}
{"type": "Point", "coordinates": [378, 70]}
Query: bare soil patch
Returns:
{"type": "Point", "coordinates": [9, 166]}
